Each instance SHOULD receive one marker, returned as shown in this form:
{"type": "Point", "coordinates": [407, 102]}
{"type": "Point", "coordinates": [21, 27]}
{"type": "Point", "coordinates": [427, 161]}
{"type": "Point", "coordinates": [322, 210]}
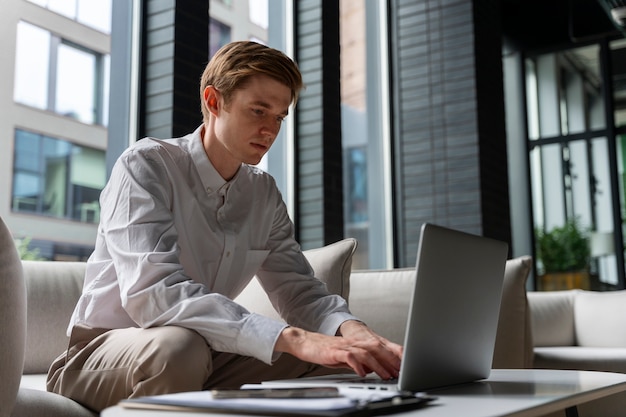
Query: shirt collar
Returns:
{"type": "Point", "coordinates": [211, 179]}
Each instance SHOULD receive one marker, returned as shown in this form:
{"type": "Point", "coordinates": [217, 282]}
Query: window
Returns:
{"type": "Point", "coordinates": [618, 59]}
{"type": "Point", "coordinates": [569, 155]}
{"type": "Point", "coordinates": [56, 75]}
{"type": "Point", "coordinates": [95, 14]}
{"type": "Point", "coordinates": [32, 65]}
{"type": "Point", "coordinates": [258, 12]}
{"type": "Point", "coordinates": [366, 138]}
{"type": "Point", "coordinates": [56, 178]}
{"type": "Point", "coordinates": [219, 35]}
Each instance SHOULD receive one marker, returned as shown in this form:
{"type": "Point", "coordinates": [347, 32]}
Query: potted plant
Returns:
{"type": "Point", "coordinates": [564, 254]}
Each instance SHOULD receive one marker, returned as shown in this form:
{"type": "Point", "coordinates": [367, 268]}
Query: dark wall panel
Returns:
{"type": "Point", "coordinates": [176, 39]}
{"type": "Point", "coordinates": [450, 147]}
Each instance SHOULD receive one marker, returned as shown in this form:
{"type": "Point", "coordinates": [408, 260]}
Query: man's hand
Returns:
{"type": "Point", "coordinates": [357, 348]}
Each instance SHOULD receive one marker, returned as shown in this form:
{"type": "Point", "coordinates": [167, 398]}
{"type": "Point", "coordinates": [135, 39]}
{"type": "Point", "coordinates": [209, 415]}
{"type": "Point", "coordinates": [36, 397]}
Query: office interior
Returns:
{"type": "Point", "coordinates": [503, 118]}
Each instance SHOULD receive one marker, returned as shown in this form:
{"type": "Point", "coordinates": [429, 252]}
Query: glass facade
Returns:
{"type": "Point", "coordinates": [570, 154]}
{"type": "Point", "coordinates": [56, 75]}
{"type": "Point", "coordinates": [56, 178]}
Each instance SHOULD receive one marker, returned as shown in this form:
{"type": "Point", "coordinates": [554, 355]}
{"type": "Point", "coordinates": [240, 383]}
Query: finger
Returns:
{"type": "Point", "coordinates": [388, 361]}
{"type": "Point", "coordinates": [367, 362]}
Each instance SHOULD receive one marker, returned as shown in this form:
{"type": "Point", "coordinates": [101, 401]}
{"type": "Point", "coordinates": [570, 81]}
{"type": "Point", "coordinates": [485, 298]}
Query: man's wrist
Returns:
{"type": "Point", "coordinates": [288, 338]}
{"type": "Point", "coordinates": [349, 326]}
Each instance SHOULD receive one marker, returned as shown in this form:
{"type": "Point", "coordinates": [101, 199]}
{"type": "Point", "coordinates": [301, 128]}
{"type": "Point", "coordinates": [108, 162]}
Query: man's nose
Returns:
{"type": "Point", "coordinates": [271, 129]}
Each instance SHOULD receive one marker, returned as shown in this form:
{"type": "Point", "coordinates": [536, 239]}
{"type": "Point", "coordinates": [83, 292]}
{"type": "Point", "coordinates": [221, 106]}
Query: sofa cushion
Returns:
{"type": "Point", "coordinates": [32, 403]}
{"type": "Point", "coordinates": [331, 264]}
{"type": "Point", "coordinates": [53, 289]}
{"type": "Point", "coordinates": [514, 345]}
{"type": "Point", "coordinates": [577, 357]}
{"type": "Point", "coordinates": [12, 320]}
{"type": "Point", "coordinates": [552, 317]}
{"type": "Point", "coordinates": [600, 318]}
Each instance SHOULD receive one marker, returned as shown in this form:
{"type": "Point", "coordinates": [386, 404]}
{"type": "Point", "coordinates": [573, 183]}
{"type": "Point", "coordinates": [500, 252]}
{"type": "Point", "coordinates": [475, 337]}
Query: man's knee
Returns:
{"type": "Point", "coordinates": [175, 359]}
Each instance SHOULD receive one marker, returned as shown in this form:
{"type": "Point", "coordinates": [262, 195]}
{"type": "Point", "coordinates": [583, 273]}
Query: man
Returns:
{"type": "Point", "coordinates": [185, 224]}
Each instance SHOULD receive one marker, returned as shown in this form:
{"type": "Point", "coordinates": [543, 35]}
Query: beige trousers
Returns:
{"type": "Point", "coordinates": [102, 367]}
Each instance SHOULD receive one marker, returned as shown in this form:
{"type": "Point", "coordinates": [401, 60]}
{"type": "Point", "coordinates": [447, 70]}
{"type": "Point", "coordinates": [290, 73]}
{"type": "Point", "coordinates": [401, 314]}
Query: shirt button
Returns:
{"type": "Point", "coordinates": [228, 254]}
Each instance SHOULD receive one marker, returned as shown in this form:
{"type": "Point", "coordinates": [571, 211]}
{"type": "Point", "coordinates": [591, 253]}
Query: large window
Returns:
{"type": "Point", "coordinates": [59, 76]}
{"type": "Point", "coordinates": [570, 169]}
{"type": "Point", "coordinates": [365, 132]}
{"type": "Point", "coordinates": [219, 35]}
{"type": "Point", "coordinates": [56, 178]}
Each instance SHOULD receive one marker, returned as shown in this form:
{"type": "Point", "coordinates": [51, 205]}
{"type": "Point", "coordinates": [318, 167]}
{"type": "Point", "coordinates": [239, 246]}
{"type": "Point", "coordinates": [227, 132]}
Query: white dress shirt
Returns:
{"type": "Point", "coordinates": [176, 243]}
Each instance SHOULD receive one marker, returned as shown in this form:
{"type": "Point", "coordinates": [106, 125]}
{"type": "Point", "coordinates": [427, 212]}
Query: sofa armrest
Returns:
{"type": "Point", "coordinates": [53, 289]}
{"type": "Point", "coordinates": [552, 317]}
{"type": "Point", "coordinates": [12, 320]}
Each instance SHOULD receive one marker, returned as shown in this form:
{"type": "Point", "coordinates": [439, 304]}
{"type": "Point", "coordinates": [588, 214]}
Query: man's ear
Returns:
{"type": "Point", "coordinates": [211, 97]}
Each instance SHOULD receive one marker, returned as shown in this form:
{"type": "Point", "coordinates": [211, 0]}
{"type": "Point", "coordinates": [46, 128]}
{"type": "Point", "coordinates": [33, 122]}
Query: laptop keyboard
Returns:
{"type": "Point", "coordinates": [377, 381]}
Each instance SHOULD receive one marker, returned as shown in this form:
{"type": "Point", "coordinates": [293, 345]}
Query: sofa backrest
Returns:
{"type": "Point", "coordinates": [332, 264]}
{"type": "Point", "coordinates": [514, 341]}
{"type": "Point", "coordinates": [52, 288]}
{"type": "Point", "coordinates": [382, 299]}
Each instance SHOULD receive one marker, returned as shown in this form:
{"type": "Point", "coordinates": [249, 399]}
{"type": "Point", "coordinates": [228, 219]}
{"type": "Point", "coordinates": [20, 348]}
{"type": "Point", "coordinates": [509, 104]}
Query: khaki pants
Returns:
{"type": "Point", "coordinates": [102, 367]}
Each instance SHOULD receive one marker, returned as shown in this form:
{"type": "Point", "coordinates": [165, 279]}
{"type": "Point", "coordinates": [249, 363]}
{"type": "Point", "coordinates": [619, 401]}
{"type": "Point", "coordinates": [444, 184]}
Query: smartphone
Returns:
{"type": "Point", "coordinates": [303, 392]}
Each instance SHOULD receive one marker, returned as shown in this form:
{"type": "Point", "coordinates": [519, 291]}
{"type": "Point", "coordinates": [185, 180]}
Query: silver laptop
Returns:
{"type": "Point", "coordinates": [453, 315]}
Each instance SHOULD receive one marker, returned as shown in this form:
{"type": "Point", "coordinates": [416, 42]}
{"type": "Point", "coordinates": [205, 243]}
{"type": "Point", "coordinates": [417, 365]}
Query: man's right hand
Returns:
{"type": "Point", "coordinates": [362, 351]}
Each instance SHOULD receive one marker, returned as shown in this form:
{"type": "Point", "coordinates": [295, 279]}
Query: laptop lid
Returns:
{"type": "Point", "coordinates": [453, 315]}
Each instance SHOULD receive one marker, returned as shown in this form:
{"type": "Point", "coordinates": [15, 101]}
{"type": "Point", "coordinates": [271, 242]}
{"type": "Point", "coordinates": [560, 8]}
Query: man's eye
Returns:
{"type": "Point", "coordinates": [258, 112]}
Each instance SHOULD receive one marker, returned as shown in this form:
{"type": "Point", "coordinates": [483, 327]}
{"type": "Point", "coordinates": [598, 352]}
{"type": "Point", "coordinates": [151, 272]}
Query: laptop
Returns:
{"type": "Point", "coordinates": [453, 316]}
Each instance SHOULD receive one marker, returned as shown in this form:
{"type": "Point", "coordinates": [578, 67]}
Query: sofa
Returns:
{"type": "Point", "coordinates": [580, 329]}
{"type": "Point", "coordinates": [37, 299]}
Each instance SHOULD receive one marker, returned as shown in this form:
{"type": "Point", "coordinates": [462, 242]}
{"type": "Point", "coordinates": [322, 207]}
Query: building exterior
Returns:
{"type": "Point", "coordinates": [54, 100]}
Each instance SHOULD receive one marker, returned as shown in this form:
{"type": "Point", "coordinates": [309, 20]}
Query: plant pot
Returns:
{"type": "Point", "coordinates": [556, 281]}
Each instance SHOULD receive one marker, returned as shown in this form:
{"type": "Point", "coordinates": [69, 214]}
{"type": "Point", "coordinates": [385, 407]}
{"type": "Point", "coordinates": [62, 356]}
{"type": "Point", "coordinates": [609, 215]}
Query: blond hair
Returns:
{"type": "Point", "coordinates": [234, 63]}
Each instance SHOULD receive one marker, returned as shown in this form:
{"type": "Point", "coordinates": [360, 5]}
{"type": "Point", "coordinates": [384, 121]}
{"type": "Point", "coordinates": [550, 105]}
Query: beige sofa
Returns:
{"type": "Point", "coordinates": [46, 292]}
{"type": "Point", "coordinates": [579, 329]}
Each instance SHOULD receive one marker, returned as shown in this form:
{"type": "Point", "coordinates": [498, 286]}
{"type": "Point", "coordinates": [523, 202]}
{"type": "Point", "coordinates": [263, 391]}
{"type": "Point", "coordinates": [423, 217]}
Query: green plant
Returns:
{"type": "Point", "coordinates": [25, 252]}
{"type": "Point", "coordinates": [563, 249]}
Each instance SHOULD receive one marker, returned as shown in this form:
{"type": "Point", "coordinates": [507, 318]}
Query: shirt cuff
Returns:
{"type": "Point", "coordinates": [258, 337]}
{"type": "Point", "coordinates": [330, 326]}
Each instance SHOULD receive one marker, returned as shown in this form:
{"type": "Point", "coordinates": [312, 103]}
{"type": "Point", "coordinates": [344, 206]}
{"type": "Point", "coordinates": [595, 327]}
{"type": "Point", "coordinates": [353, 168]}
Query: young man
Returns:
{"type": "Point", "coordinates": [185, 224]}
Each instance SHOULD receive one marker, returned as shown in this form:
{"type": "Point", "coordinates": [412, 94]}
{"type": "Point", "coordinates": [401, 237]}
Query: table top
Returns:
{"type": "Point", "coordinates": [519, 392]}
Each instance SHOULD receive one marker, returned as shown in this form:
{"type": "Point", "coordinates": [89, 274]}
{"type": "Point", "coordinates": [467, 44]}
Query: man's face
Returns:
{"type": "Point", "coordinates": [247, 126]}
